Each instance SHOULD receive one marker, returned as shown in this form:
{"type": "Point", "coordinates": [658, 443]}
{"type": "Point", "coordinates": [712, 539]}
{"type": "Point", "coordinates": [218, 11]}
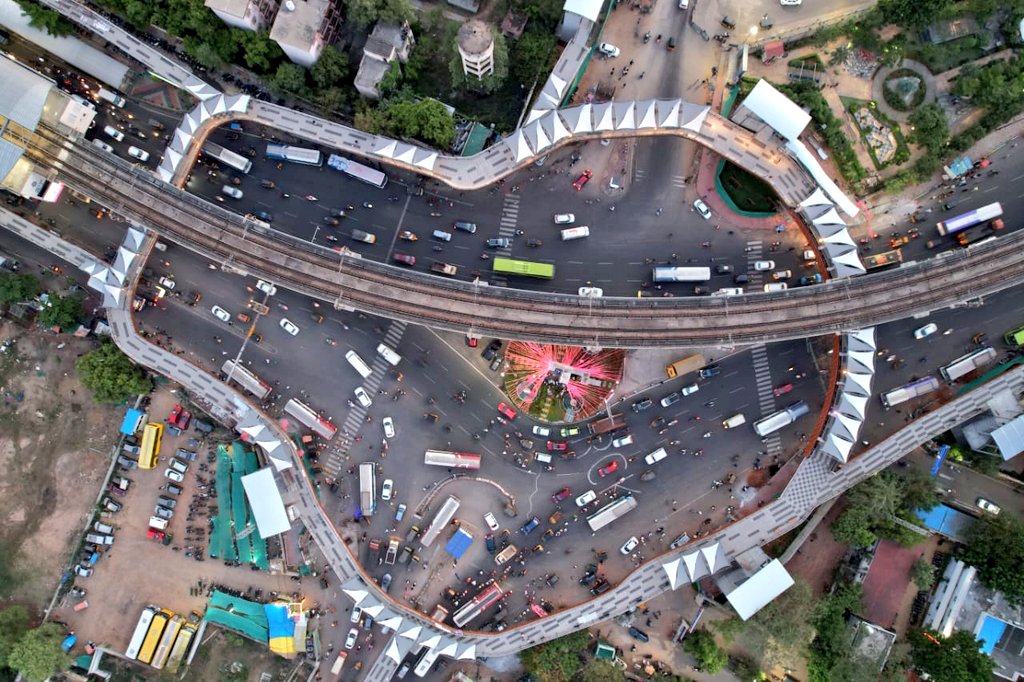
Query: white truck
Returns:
{"type": "Point", "coordinates": [111, 97]}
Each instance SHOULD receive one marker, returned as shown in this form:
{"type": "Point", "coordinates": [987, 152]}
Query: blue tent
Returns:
{"type": "Point", "coordinates": [459, 543]}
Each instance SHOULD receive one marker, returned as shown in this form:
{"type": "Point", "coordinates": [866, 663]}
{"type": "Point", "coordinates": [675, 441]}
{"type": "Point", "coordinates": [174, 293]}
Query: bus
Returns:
{"type": "Point", "coordinates": [283, 152]}
{"type": "Point", "coordinates": [1014, 338]}
{"type": "Point", "coordinates": [691, 363]}
{"type": "Point", "coordinates": [914, 389]}
{"type": "Point", "coordinates": [227, 157]}
{"type": "Point", "coordinates": [163, 650]}
{"type": "Point", "coordinates": [367, 489]}
{"type": "Point", "coordinates": [246, 379]}
{"type": "Point", "coordinates": [969, 219]}
{"type": "Point", "coordinates": [975, 235]}
{"type": "Point", "coordinates": [452, 460]}
{"type": "Point", "coordinates": [305, 415]}
{"type": "Point", "coordinates": [487, 598]}
{"type": "Point", "coordinates": [620, 507]}
{"type": "Point", "coordinates": [666, 274]}
{"type": "Point", "coordinates": [139, 636]}
{"type": "Point", "coordinates": [357, 171]}
{"type": "Point", "coordinates": [883, 260]}
{"type": "Point", "coordinates": [783, 417]}
{"type": "Point", "coordinates": [523, 268]}
{"type": "Point", "coordinates": [426, 663]}
{"type": "Point", "coordinates": [180, 649]}
{"type": "Point", "coordinates": [965, 364]}
{"type": "Point", "coordinates": [156, 628]}
{"type": "Point", "coordinates": [152, 433]}
{"type": "Point", "coordinates": [441, 520]}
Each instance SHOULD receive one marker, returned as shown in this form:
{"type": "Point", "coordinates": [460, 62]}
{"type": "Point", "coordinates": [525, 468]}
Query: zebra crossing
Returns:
{"type": "Point", "coordinates": [507, 225]}
{"type": "Point", "coordinates": [356, 417]}
{"type": "Point", "coordinates": [678, 181]}
{"type": "Point", "coordinates": [755, 250]}
{"type": "Point", "coordinates": [765, 394]}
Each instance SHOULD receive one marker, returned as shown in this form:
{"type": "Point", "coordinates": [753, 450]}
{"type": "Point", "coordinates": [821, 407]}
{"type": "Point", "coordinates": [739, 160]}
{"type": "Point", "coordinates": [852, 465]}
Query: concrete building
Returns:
{"type": "Point", "coordinates": [250, 15]}
{"type": "Point", "coordinates": [476, 48]}
{"type": "Point", "coordinates": [387, 43]}
{"type": "Point", "coordinates": [303, 27]}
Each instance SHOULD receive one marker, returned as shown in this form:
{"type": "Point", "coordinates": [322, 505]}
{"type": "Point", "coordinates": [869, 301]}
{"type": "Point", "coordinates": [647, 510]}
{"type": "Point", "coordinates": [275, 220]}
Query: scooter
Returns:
{"type": "Point", "coordinates": [367, 204]}
{"type": "Point", "coordinates": [647, 37]}
{"type": "Point", "coordinates": [310, 197]}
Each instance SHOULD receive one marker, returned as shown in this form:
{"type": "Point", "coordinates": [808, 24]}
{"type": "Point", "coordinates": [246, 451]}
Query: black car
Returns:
{"type": "Point", "coordinates": [710, 371]}
{"type": "Point", "coordinates": [492, 546]}
{"type": "Point", "coordinates": [263, 215]}
{"type": "Point", "coordinates": [641, 405]}
{"type": "Point", "coordinates": [638, 634]}
{"type": "Point", "coordinates": [492, 349]}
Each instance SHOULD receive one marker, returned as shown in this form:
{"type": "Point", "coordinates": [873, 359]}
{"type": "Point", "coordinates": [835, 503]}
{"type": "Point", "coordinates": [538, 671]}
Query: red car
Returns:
{"type": "Point", "coordinates": [506, 410]}
{"type": "Point", "coordinates": [472, 341]}
{"type": "Point", "coordinates": [609, 468]}
{"type": "Point", "coordinates": [154, 534]}
{"type": "Point", "coordinates": [582, 180]}
{"type": "Point", "coordinates": [557, 445]}
{"type": "Point", "coordinates": [563, 494]}
{"type": "Point", "coordinates": [782, 389]}
{"type": "Point", "coordinates": [404, 258]}
{"type": "Point", "coordinates": [180, 418]}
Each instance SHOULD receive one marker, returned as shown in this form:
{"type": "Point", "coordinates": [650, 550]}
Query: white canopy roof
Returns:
{"type": "Point", "coordinates": [782, 114]}
{"type": "Point", "coordinates": [809, 161]}
{"type": "Point", "coordinates": [837, 447]}
{"type": "Point", "coordinates": [267, 505]}
{"type": "Point", "coordinates": [588, 9]}
{"type": "Point", "coordinates": [760, 589]}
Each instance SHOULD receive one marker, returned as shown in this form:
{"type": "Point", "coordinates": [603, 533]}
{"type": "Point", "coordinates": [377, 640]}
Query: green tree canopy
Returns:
{"type": "Point", "coordinates": [532, 56]}
{"type": "Point", "coordinates": [853, 528]}
{"type": "Point", "coordinates": [931, 129]}
{"type": "Point", "coordinates": [361, 13]}
{"type": "Point", "coordinates": [16, 288]}
{"type": "Point", "coordinates": [701, 645]}
{"type": "Point", "coordinates": [557, 660]}
{"type": "Point", "coordinates": [923, 574]}
{"type": "Point", "coordinates": [781, 630]}
{"type": "Point", "coordinates": [912, 13]}
{"type": "Point", "coordinates": [396, 11]}
{"type": "Point", "coordinates": [953, 659]}
{"type": "Point", "coordinates": [46, 19]}
{"type": "Point", "coordinates": [424, 119]}
{"type": "Point", "coordinates": [995, 546]}
{"type": "Point", "coordinates": [876, 501]}
{"type": "Point", "coordinates": [258, 50]}
{"type": "Point", "coordinates": [37, 655]}
{"type": "Point", "coordinates": [598, 671]}
{"type": "Point", "coordinates": [331, 68]}
{"type": "Point", "coordinates": [830, 649]}
{"type": "Point", "coordinates": [290, 77]}
{"type": "Point", "coordinates": [13, 626]}
{"type": "Point", "coordinates": [61, 311]}
{"type": "Point", "coordinates": [111, 375]}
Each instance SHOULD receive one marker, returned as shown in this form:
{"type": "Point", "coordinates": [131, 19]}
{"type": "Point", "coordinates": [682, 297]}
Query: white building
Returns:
{"type": "Point", "coordinates": [387, 43]}
{"type": "Point", "coordinates": [303, 27]}
{"type": "Point", "coordinates": [476, 48]}
{"type": "Point", "coordinates": [250, 15]}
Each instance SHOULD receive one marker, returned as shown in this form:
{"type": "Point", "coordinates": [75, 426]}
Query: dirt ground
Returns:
{"type": "Point", "coordinates": [54, 446]}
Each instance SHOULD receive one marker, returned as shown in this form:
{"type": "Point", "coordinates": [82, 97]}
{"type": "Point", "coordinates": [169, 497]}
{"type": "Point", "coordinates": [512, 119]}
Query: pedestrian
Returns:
{"type": "Point", "coordinates": [641, 77]}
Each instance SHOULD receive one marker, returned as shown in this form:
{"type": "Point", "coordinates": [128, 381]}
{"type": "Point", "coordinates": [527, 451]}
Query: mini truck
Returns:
{"type": "Point", "coordinates": [444, 268]}
{"type": "Point", "coordinates": [392, 554]}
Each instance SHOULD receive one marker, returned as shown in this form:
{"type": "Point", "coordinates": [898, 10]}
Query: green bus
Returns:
{"type": "Point", "coordinates": [508, 266]}
{"type": "Point", "coordinates": [1014, 338]}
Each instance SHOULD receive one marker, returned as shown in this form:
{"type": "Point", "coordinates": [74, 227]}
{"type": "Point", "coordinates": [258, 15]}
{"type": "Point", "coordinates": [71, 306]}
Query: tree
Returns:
{"type": "Point", "coordinates": [923, 574]}
{"type": "Point", "coordinates": [391, 80]}
{"type": "Point", "coordinates": [995, 546]}
{"type": "Point", "coordinates": [331, 68]}
{"type": "Point", "coordinates": [701, 645]}
{"type": "Point", "coordinates": [879, 496]}
{"type": "Point", "coordinates": [257, 49]}
{"type": "Point", "coordinates": [111, 375]}
{"type": "Point", "coordinates": [16, 288]}
{"type": "Point", "coordinates": [557, 660]}
{"type": "Point", "coordinates": [745, 668]}
{"type": "Point", "coordinates": [489, 83]}
{"type": "Point", "coordinates": [45, 18]}
{"type": "Point", "coordinates": [854, 528]}
{"type": "Point", "coordinates": [361, 13]}
{"type": "Point", "coordinates": [918, 490]}
{"type": "Point", "coordinates": [425, 119]}
{"type": "Point", "coordinates": [598, 671]}
{"type": "Point", "coordinates": [931, 129]}
{"type": "Point", "coordinates": [61, 311]}
{"type": "Point", "coordinates": [912, 13]}
{"type": "Point", "coordinates": [290, 77]}
{"type": "Point", "coordinates": [37, 655]}
{"type": "Point", "coordinates": [13, 626]}
{"type": "Point", "coordinates": [782, 629]}
{"type": "Point", "coordinates": [396, 11]}
{"type": "Point", "coordinates": [956, 658]}
{"type": "Point", "coordinates": [532, 56]}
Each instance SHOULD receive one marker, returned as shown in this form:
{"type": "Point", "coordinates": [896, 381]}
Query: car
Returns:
{"type": "Point", "coordinates": [173, 489]}
{"type": "Point", "coordinates": [472, 341]}
{"type": "Point", "coordinates": [641, 405]}
{"type": "Point", "coordinates": [591, 292]}
{"type": "Point", "coordinates": [387, 489]}
{"type": "Point", "coordinates": [492, 546]}
{"type": "Point", "coordinates": [782, 389]}
{"type": "Point", "coordinates": [987, 506]}
{"type": "Point", "coordinates": [232, 192]}
{"type": "Point", "coordinates": [406, 259]}
{"type": "Point", "coordinates": [561, 495]}
{"type": "Point", "coordinates": [569, 431]}
{"type": "Point", "coordinates": [564, 219]}
{"type": "Point", "coordinates": [163, 512]}
{"type": "Point", "coordinates": [100, 144]}
{"type": "Point", "coordinates": [400, 512]}
{"type": "Point", "coordinates": [389, 427]}
{"type": "Point", "coordinates": [702, 208]}
{"type": "Point", "coordinates": [506, 411]}
{"type": "Point", "coordinates": [583, 179]}
{"type": "Point", "coordinates": [782, 274]}
{"type": "Point", "coordinates": [180, 417]}
{"type": "Point", "coordinates": [110, 131]}
{"type": "Point", "coordinates": [350, 639]}
{"type": "Point", "coordinates": [154, 534]}
{"type": "Point", "coordinates": [220, 313]}
{"type": "Point", "coordinates": [289, 326]}
{"type": "Point", "coordinates": [623, 441]}
{"type": "Point", "coordinates": [926, 330]}
{"type": "Point", "coordinates": [465, 226]}
{"type": "Point", "coordinates": [710, 371]}
{"type": "Point", "coordinates": [638, 635]}
{"type": "Point", "coordinates": [356, 616]}
{"type": "Point", "coordinates": [808, 280]}
{"type": "Point", "coordinates": [541, 431]}
{"type": "Point", "coordinates": [764, 265]}
{"type": "Point", "coordinates": [82, 571]}
{"type": "Point", "coordinates": [362, 396]}
{"type": "Point", "coordinates": [167, 283]}
{"type": "Point", "coordinates": [529, 526]}
{"type": "Point", "coordinates": [775, 287]}
{"type": "Point", "coordinates": [175, 476]}
{"type": "Point", "coordinates": [557, 445]}
{"type": "Point", "coordinates": [492, 523]}
{"type": "Point", "coordinates": [689, 390]}
{"type": "Point", "coordinates": [496, 362]}
{"type": "Point", "coordinates": [671, 399]}
{"type": "Point", "coordinates": [266, 287]}
{"type": "Point", "coordinates": [263, 215]}
{"type": "Point", "coordinates": [140, 154]}
{"type": "Point", "coordinates": [629, 546]}
{"type": "Point", "coordinates": [586, 498]}
{"type": "Point", "coordinates": [609, 50]}
{"type": "Point", "coordinates": [498, 243]}
{"type": "Point", "coordinates": [790, 3]}
{"type": "Point", "coordinates": [656, 456]}
{"type": "Point", "coordinates": [609, 468]}
{"type": "Point", "coordinates": [165, 501]}
{"type": "Point", "coordinates": [365, 237]}
{"type": "Point", "coordinates": [385, 582]}
{"type": "Point", "coordinates": [492, 349]}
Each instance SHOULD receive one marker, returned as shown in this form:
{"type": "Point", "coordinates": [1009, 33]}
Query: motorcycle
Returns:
{"type": "Point", "coordinates": [435, 214]}
{"type": "Point", "coordinates": [407, 236]}
{"type": "Point", "coordinates": [367, 204]}
{"type": "Point", "coordinates": [647, 37]}
{"type": "Point", "coordinates": [436, 247]}
{"type": "Point", "coordinates": [330, 238]}
{"type": "Point", "coordinates": [707, 434]}
{"type": "Point", "coordinates": [310, 197]}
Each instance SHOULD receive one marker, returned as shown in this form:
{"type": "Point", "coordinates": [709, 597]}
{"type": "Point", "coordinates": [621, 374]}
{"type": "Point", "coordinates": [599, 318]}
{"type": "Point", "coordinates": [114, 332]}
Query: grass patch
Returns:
{"type": "Point", "coordinates": [747, 192]}
{"type": "Point", "coordinates": [809, 61]}
{"type": "Point", "coordinates": [902, 154]}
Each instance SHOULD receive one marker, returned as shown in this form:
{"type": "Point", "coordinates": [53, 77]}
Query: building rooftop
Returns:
{"type": "Point", "coordinates": [298, 22]}
{"type": "Point", "coordinates": [233, 7]}
{"type": "Point", "coordinates": [23, 106]}
{"type": "Point", "coordinates": [475, 37]}
{"type": "Point", "coordinates": [370, 73]}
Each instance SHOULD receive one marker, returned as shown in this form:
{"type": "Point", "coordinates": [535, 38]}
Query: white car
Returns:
{"type": "Point", "coordinates": [220, 313]}
{"type": "Point", "coordinates": [389, 427]}
{"type": "Point", "coordinates": [926, 330]}
{"type": "Point", "coordinates": [362, 396]}
{"type": "Point", "coordinates": [775, 287]}
{"type": "Point", "coordinates": [232, 192]}
{"type": "Point", "coordinates": [630, 545]}
{"type": "Point", "coordinates": [623, 441]}
{"type": "Point", "coordinates": [541, 431]}
{"type": "Point", "coordinates": [790, 3]}
{"type": "Point", "coordinates": [174, 475]}
{"type": "Point", "coordinates": [609, 50]}
{"type": "Point", "coordinates": [586, 498]}
{"type": "Point", "coordinates": [564, 219]}
{"type": "Point", "coordinates": [702, 208]}
{"type": "Point", "coordinates": [591, 292]}
{"type": "Point", "coordinates": [386, 489]}
{"type": "Point", "coordinates": [689, 390]}
{"type": "Point", "coordinates": [492, 523]}
{"type": "Point", "coordinates": [110, 131]}
{"type": "Point", "coordinates": [289, 327]}
{"type": "Point", "coordinates": [167, 283]}
{"type": "Point", "coordinates": [350, 639]}
{"type": "Point", "coordinates": [100, 144]}
{"type": "Point", "coordinates": [987, 506]}
{"type": "Point", "coordinates": [656, 456]}
{"type": "Point", "coordinates": [357, 614]}
{"type": "Point", "coordinates": [763, 265]}
{"type": "Point", "coordinates": [266, 287]}
{"type": "Point", "coordinates": [140, 154]}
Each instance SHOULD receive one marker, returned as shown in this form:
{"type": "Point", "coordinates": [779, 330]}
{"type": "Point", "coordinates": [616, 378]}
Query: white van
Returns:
{"type": "Point", "coordinates": [543, 457]}
{"type": "Point", "coordinates": [575, 233]}
{"type": "Point", "coordinates": [734, 421]}
{"type": "Point", "coordinates": [442, 235]}
{"type": "Point", "coordinates": [389, 354]}
{"type": "Point", "coordinates": [157, 522]}
{"type": "Point", "coordinates": [728, 291]}
{"type": "Point", "coordinates": [358, 364]}
{"type": "Point", "coordinates": [774, 287]}
{"type": "Point", "coordinates": [656, 456]}
{"type": "Point", "coordinates": [100, 527]}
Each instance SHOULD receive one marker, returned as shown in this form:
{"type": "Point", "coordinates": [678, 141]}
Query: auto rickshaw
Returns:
{"type": "Point", "coordinates": [244, 317]}
{"type": "Point", "coordinates": [268, 184]}
{"type": "Point", "coordinates": [407, 236]}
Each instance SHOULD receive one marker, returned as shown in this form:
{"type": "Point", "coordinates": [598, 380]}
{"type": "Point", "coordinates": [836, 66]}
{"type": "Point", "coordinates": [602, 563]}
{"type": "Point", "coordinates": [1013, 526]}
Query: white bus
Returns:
{"type": "Point", "coordinates": [367, 489]}
{"type": "Point", "coordinates": [357, 171]}
{"type": "Point", "coordinates": [308, 417]}
{"type": "Point", "coordinates": [246, 379]}
{"type": "Point", "coordinates": [666, 274]}
{"type": "Point", "coordinates": [389, 354]}
{"type": "Point", "coordinates": [452, 460]}
{"type": "Point", "coordinates": [966, 364]}
{"type": "Point", "coordinates": [784, 417]}
{"type": "Point", "coordinates": [227, 157]}
{"type": "Point", "coordinates": [488, 597]}
{"type": "Point", "coordinates": [282, 152]}
{"type": "Point", "coordinates": [441, 520]}
{"type": "Point", "coordinates": [427, 662]}
{"type": "Point", "coordinates": [912, 390]}
{"type": "Point", "coordinates": [139, 636]}
{"type": "Point", "coordinates": [610, 512]}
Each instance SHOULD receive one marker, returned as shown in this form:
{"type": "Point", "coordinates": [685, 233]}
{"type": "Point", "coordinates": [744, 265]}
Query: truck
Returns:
{"type": "Point", "coordinates": [444, 268]}
{"type": "Point", "coordinates": [691, 363]}
{"type": "Point", "coordinates": [111, 97]}
{"type": "Point", "coordinates": [615, 421]}
{"type": "Point", "coordinates": [413, 533]}
{"type": "Point", "coordinates": [392, 554]}
{"type": "Point", "coordinates": [881, 260]}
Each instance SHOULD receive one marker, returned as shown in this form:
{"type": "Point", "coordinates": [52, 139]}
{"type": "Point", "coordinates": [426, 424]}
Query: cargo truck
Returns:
{"type": "Point", "coordinates": [392, 554]}
{"type": "Point", "coordinates": [691, 363]}
{"type": "Point", "coordinates": [607, 424]}
{"type": "Point", "coordinates": [444, 268]}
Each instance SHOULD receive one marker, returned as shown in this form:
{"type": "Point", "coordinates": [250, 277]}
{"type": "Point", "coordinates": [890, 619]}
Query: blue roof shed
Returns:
{"type": "Point", "coordinates": [459, 543]}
